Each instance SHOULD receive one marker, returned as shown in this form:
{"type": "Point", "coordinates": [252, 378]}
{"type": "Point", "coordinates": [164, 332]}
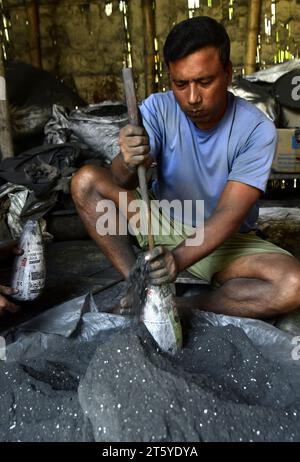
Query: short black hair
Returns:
{"type": "Point", "coordinates": [192, 34]}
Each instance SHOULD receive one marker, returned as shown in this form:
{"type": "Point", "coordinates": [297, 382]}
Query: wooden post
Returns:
{"type": "Point", "coordinates": [149, 36]}
{"type": "Point", "coordinates": [34, 33]}
{"type": "Point", "coordinates": [252, 35]}
{"type": "Point", "coordinates": [6, 144]}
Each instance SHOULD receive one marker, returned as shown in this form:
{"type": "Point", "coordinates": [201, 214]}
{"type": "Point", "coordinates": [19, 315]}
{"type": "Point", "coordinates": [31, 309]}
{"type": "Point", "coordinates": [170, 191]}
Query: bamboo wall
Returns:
{"type": "Point", "coordinates": [86, 43]}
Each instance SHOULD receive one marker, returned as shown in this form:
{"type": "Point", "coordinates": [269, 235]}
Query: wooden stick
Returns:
{"type": "Point", "coordinates": [149, 36]}
{"type": "Point", "coordinates": [252, 35]}
{"type": "Point", "coordinates": [34, 33]}
{"type": "Point", "coordinates": [135, 119]}
{"type": "Point", "coordinates": [6, 143]}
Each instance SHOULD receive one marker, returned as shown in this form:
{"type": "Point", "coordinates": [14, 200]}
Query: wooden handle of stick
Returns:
{"type": "Point", "coordinates": [135, 119]}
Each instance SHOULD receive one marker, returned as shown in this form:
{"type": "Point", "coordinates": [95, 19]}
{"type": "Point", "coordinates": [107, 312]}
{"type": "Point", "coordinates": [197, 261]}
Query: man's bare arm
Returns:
{"type": "Point", "coordinates": [233, 207]}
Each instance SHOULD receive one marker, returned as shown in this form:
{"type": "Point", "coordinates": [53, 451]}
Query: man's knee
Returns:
{"type": "Point", "coordinates": [288, 287]}
{"type": "Point", "coordinates": [86, 180]}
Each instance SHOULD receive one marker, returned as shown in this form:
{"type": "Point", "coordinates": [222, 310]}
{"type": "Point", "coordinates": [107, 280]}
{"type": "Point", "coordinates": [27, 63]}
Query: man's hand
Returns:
{"type": "Point", "coordinates": [134, 145]}
{"type": "Point", "coordinates": [162, 266]}
{"type": "Point", "coordinates": [9, 249]}
{"type": "Point", "coordinates": [6, 305]}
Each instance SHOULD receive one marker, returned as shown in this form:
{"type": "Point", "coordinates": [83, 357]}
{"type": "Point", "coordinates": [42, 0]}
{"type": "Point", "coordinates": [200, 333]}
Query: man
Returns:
{"type": "Point", "coordinates": [207, 145]}
{"type": "Point", "coordinates": [6, 251]}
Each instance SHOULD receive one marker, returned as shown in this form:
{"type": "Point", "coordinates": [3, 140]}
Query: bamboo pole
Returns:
{"type": "Point", "coordinates": [149, 36]}
{"type": "Point", "coordinates": [252, 35]}
{"type": "Point", "coordinates": [34, 33]}
{"type": "Point", "coordinates": [6, 143]}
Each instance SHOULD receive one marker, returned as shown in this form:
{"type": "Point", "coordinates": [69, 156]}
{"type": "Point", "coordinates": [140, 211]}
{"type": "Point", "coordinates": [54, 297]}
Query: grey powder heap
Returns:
{"type": "Point", "coordinates": [219, 388]}
{"type": "Point", "coordinates": [119, 387]}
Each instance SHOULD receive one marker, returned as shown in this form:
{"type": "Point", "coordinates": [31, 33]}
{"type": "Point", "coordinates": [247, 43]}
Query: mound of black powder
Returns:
{"type": "Point", "coordinates": [218, 388]}
{"type": "Point", "coordinates": [120, 387]}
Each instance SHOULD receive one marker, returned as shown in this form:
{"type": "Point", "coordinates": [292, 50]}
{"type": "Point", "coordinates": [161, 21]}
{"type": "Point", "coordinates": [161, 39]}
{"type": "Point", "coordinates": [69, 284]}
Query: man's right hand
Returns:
{"type": "Point", "coordinates": [135, 147]}
{"type": "Point", "coordinates": [6, 305]}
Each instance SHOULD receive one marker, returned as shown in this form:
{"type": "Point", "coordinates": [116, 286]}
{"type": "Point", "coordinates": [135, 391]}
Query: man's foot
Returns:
{"type": "Point", "coordinates": [123, 307]}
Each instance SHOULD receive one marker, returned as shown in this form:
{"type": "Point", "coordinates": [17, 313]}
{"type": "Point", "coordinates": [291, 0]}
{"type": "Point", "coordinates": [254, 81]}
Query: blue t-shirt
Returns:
{"type": "Point", "coordinates": [196, 164]}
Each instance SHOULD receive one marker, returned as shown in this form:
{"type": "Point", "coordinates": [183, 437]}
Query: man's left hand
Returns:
{"type": "Point", "coordinates": [9, 249]}
{"type": "Point", "coordinates": [162, 266]}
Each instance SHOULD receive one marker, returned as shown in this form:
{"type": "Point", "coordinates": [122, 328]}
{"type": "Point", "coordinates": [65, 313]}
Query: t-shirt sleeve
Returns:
{"type": "Point", "coordinates": [253, 162]}
{"type": "Point", "coordinates": [151, 116]}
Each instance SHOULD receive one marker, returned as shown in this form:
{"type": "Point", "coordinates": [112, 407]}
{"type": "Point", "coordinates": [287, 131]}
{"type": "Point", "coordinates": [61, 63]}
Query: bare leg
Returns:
{"type": "Point", "coordinates": [258, 286]}
{"type": "Point", "coordinates": [262, 285]}
{"type": "Point", "coordinates": [89, 186]}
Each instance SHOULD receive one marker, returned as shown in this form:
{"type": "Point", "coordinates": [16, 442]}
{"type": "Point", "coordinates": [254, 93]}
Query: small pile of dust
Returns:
{"type": "Point", "coordinates": [38, 397]}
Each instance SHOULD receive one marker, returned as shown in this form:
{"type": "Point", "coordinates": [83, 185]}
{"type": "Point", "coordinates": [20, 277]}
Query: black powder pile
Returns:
{"type": "Point", "coordinates": [218, 388]}
{"type": "Point", "coordinates": [39, 398]}
{"type": "Point", "coordinates": [120, 387]}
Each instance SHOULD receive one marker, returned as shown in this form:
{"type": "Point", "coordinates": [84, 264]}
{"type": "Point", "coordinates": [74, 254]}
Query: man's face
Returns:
{"type": "Point", "coordinates": [199, 82]}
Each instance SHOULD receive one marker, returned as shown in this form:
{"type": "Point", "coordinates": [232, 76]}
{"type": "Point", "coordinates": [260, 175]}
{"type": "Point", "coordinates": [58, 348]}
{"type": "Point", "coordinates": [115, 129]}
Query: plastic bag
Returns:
{"type": "Point", "coordinates": [273, 73]}
{"type": "Point", "coordinates": [24, 204]}
{"type": "Point", "coordinates": [29, 272]}
{"type": "Point", "coordinates": [89, 127]}
{"type": "Point", "coordinates": [258, 95]}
